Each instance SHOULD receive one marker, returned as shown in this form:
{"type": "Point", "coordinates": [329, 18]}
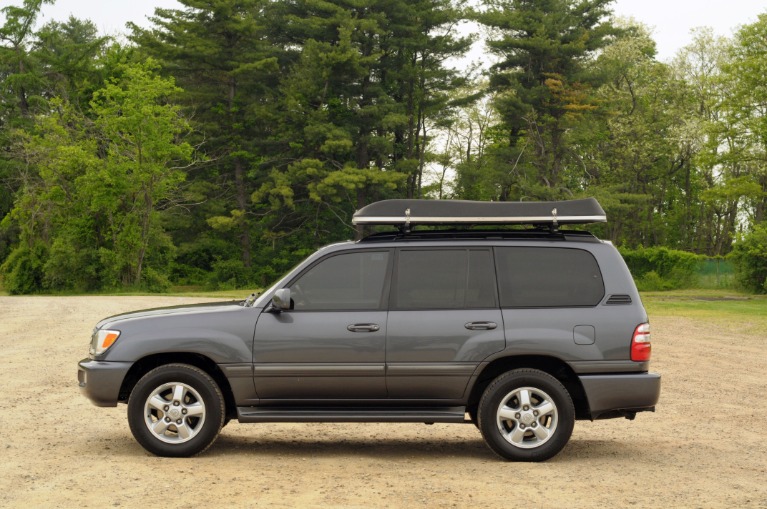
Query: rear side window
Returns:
{"type": "Point", "coordinates": [445, 279]}
{"type": "Point", "coordinates": [534, 277]}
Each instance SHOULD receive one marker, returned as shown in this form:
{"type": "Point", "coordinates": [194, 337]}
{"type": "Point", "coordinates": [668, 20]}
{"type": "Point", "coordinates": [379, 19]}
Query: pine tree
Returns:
{"type": "Point", "coordinates": [217, 51]}
{"type": "Point", "coordinates": [543, 85]}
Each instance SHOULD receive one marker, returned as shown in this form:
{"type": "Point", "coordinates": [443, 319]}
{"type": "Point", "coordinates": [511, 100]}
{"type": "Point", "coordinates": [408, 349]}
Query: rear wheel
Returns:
{"type": "Point", "coordinates": [526, 415]}
{"type": "Point", "coordinates": [176, 410]}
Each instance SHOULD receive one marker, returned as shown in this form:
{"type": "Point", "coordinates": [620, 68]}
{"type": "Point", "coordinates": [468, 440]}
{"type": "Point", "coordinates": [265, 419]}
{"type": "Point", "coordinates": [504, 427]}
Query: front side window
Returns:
{"type": "Point", "coordinates": [445, 279]}
{"type": "Point", "coordinates": [534, 277]}
{"type": "Point", "coordinates": [343, 282]}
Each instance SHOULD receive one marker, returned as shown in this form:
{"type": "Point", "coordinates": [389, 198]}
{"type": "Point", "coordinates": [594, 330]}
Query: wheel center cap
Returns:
{"type": "Point", "coordinates": [174, 413]}
{"type": "Point", "coordinates": [527, 418]}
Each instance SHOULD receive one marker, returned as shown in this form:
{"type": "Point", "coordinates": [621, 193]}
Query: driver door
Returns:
{"type": "Point", "coordinates": [331, 344]}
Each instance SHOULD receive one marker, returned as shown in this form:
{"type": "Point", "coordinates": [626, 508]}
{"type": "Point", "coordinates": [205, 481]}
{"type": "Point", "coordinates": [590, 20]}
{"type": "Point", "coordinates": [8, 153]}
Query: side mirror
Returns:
{"type": "Point", "coordinates": [281, 299]}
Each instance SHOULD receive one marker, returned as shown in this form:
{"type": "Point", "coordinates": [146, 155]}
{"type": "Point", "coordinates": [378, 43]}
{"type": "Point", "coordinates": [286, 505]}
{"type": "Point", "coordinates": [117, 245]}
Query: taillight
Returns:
{"type": "Point", "coordinates": [640, 343]}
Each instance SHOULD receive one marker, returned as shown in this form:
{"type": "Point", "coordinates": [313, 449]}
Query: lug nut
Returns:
{"type": "Point", "coordinates": [166, 408]}
{"type": "Point", "coordinates": [534, 425]}
{"type": "Point", "coordinates": [535, 413]}
{"type": "Point", "coordinates": [517, 415]}
{"type": "Point", "coordinates": [183, 411]}
{"type": "Point", "coordinates": [167, 419]}
{"type": "Point", "coordinates": [521, 426]}
{"type": "Point", "coordinates": [525, 408]}
{"type": "Point", "coordinates": [178, 421]}
{"type": "Point", "coordinates": [175, 403]}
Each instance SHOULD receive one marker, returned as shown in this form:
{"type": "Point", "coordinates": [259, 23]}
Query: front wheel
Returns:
{"type": "Point", "coordinates": [176, 410]}
{"type": "Point", "coordinates": [526, 415]}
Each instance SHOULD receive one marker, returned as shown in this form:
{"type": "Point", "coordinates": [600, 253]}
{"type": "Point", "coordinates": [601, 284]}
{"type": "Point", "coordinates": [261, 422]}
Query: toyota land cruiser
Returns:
{"type": "Point", "coordinates": [521, 331]}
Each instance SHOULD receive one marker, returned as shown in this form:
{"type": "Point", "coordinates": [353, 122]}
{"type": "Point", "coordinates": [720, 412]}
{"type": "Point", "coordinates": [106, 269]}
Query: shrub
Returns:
{"type": "Point", "coordinates": [660, 268]}
{"type": "Point", "coordinates": [652, 282]}
{"type": "Point", "coordinates": [154, 281]}
{"type": "Point", "coordinates": [749, 256]}
{"type": "Point", "coordinates": [229, 275]}
{"type": "Point", "coordinates": [23, 270]}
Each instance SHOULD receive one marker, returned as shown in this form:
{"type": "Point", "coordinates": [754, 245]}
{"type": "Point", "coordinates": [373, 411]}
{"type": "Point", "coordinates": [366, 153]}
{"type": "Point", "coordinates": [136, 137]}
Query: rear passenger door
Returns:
{"type": "Point", "coordinates": [443, 320]}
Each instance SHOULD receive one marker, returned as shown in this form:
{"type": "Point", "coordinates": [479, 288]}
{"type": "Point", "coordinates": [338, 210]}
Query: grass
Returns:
{"type": "Point", "coordinates": [715, 306]}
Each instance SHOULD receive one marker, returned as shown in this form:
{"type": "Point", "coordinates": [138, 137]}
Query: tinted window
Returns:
{"type": "Point", "coordinates": [548, 277]}
{"type": "Point", "coordinates": [445, 279]}
{"type": "Point", "coordinates": [345, 281]}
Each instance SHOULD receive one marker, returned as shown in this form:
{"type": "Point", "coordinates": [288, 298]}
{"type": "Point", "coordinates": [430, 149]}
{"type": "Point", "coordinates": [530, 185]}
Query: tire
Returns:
{"type": "Point", "coordinates": [526, 415]}
{"type": "Point", "coordinates": [176, 410]}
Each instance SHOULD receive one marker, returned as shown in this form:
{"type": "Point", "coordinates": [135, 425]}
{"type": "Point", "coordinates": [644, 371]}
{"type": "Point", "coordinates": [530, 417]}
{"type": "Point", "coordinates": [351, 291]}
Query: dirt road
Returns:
{"type": "Point", "coordinates": [706, 446]}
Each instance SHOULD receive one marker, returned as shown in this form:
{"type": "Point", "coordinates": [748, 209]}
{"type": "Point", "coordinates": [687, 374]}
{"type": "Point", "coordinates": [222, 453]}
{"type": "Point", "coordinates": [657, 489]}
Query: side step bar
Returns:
{"type": "Point", "coordinates": [362, 414]}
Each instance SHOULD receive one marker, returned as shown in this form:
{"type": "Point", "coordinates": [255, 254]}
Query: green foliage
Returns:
{"type": "Point", "coordinates": [229, 274]}
{"type": "Point", "coordinates": [746, 102]}
{"type": "Point", "coordinates": [300, 112]}
{"type": "Point", "coordinates": [750, 258]}
{"type": "Point", "coordinates": [93, 198]}
{"type": "Point", "coordinates": [544, 86]}
{"type": "Point", "coordinates": [219, 53]}
{"type": "Point", "coordinates": [23, 270]}
{"type": "Point", "coordinates": [659, 268]}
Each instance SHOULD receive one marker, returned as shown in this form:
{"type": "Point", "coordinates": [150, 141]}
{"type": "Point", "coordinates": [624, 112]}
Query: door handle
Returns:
{"type": "Point", "coordinates": [480, 325]}
{"type": "Point", "coordinates": [363, 327]}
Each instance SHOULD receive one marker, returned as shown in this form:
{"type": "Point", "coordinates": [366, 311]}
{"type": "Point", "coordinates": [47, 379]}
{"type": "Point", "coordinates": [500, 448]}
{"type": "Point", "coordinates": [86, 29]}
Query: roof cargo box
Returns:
{"type": "Point", "coordinates": [450, 212]}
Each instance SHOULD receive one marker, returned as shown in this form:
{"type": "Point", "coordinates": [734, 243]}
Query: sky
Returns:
{"type": "Point", "coordinates": [671, 20]}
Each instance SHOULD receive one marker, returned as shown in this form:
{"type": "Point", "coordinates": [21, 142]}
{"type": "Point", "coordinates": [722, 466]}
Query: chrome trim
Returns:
{"type": "Point", "coordinates": [503, 219]}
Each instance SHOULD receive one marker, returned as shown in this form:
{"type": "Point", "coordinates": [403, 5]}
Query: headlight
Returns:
{"type": "Point", "coordinates": [102, 340]}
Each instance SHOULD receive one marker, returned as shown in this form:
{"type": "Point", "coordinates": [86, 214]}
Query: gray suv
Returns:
{"type": "Point", "coordinates": [446, 318]}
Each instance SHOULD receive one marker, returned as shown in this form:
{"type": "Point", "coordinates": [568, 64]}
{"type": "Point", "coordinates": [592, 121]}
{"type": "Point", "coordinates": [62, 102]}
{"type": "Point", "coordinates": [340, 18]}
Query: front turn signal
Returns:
{"type": "Point", "coordinates": [105, 339]}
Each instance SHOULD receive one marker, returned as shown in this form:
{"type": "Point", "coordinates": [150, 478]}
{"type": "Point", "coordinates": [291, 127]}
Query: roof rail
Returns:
{"type": "Point", "coordinates": [407, 213]}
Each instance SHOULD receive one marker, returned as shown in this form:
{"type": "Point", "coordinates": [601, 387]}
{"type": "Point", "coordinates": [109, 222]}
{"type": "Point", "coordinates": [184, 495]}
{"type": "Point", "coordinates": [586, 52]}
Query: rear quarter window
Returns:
{"type": "Point", "coordinates": [543, 277]}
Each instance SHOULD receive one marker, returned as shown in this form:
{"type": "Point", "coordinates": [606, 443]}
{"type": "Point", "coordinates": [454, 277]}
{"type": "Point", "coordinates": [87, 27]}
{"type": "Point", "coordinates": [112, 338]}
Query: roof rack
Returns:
{"type": "Point", "coordinates": [479, 234]}
{"type": "Point", "coordinates": [407, 213]}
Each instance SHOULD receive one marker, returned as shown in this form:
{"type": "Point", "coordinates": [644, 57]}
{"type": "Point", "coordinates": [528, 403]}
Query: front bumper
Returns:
{"type": "Point", "coordinates": [100, 381]}
{"type": "Point", "coordinates": [621, 395]}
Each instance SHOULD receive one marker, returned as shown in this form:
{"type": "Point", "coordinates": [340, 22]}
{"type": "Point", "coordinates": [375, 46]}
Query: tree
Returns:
{"type": "Point", "coordinates": [369, 84]}
{"type": "Point", "coordinates": [474, 130]}
{"type": "Point", "coordinates": [630, 152]}
{"type": "Point", "coordinates": [747, 109]}
{"type": "Point", "coordinates": [218, 52]}
{"type": "Point", "coordinates": [89, 211]}
{"type": "Point", "coordinates": [18, 70]}
{"type": "Point", "coordinates": [543, 85]}
{"type": "Point", "coordinates": [70, 57]}
{"type": "Point", "coordinates": [142, 140]}
{"type": "Point", "coordinates": [721, 180]}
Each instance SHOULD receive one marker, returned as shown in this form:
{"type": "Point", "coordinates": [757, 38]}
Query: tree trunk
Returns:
{"type": "Point", "coordinates": [242, 206]}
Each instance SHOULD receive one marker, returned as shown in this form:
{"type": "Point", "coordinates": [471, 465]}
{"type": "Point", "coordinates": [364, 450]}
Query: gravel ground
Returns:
{"type": "Point", "coordinates": [706, 446]}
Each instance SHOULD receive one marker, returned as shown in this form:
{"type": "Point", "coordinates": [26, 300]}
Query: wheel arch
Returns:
{"type": "Point", "coordinates": [146, 364]}
{"type": "Point", "coordinates": [555, 367]}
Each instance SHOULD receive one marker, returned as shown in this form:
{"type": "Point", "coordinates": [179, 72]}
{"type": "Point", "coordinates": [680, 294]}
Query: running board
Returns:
{"type": "Point", "coordinates": [395, 414]}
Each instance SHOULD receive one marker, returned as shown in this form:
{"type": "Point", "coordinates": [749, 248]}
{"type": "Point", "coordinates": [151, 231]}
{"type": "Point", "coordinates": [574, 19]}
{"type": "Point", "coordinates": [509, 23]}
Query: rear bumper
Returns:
{"type": "Point", "coordinates": [100, 381]}
{"type": "Point", "coordinates": [621, 395]}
